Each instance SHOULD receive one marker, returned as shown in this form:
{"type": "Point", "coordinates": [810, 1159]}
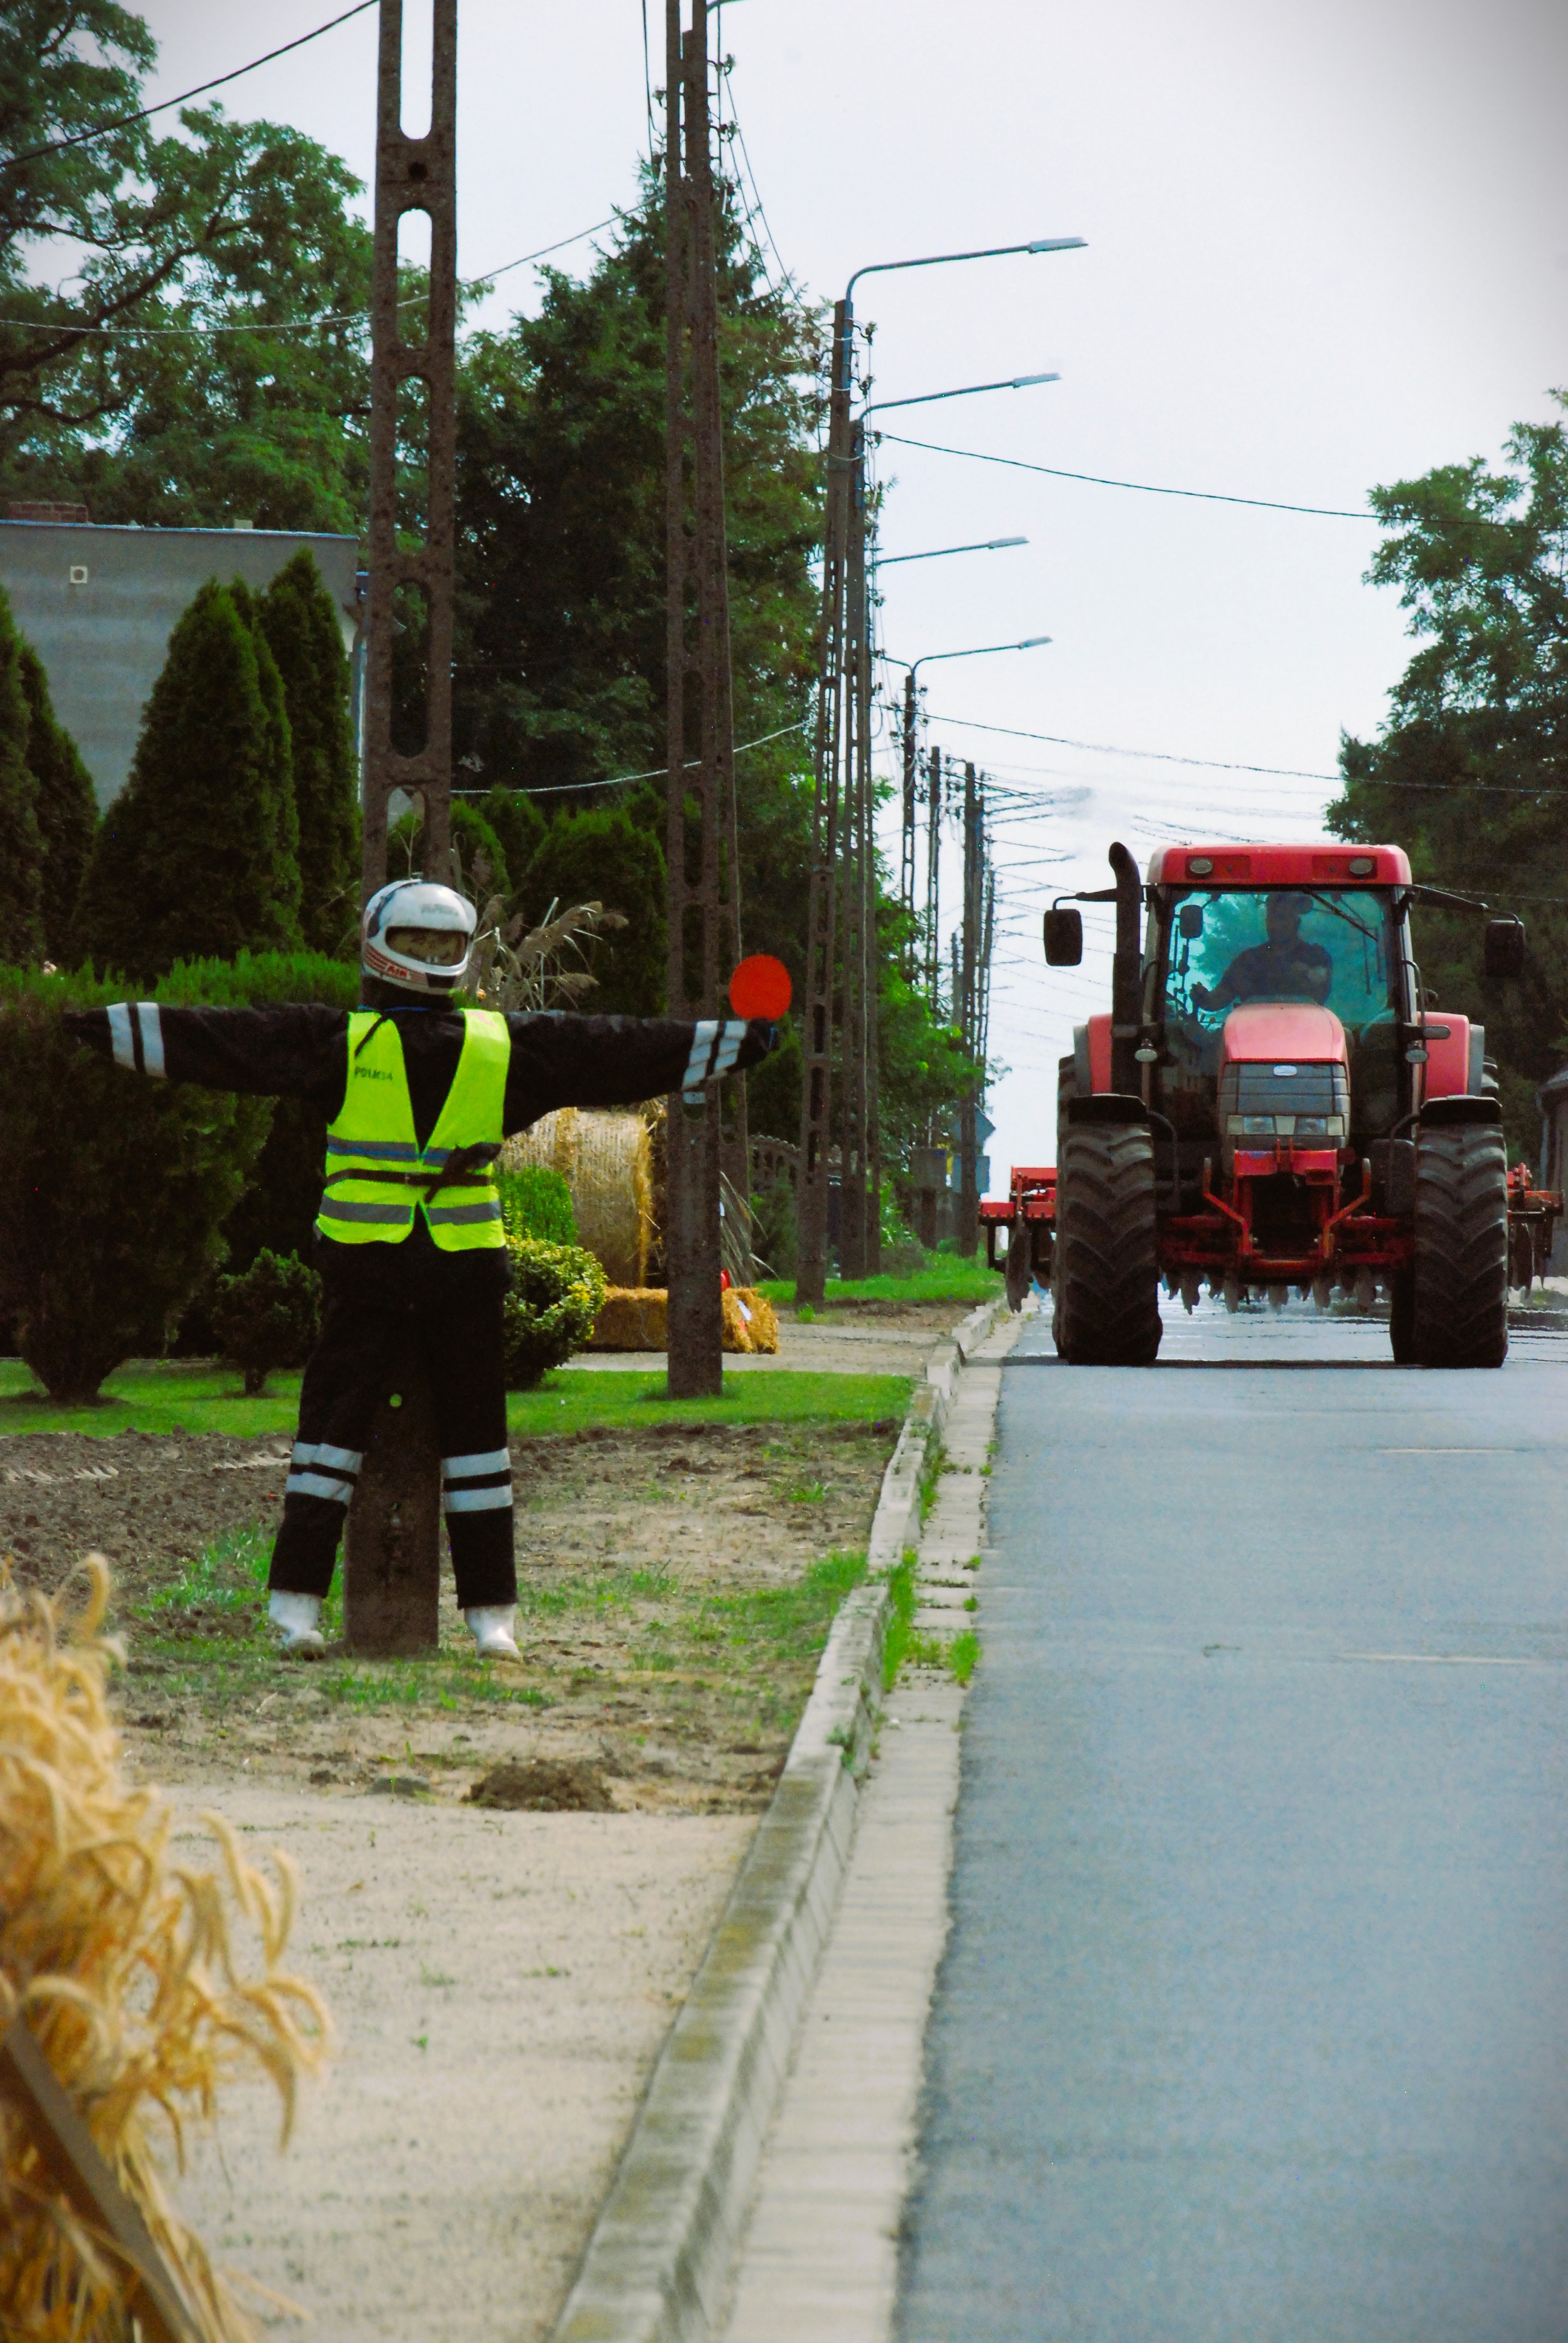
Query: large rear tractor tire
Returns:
{"type": "Point", "coordinates": [1459, 1316]}
{"type": "Point", "coordinates": [1107, 1270]}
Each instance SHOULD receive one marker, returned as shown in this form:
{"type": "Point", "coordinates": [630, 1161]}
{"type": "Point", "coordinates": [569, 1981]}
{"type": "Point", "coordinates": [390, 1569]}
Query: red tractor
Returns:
{"type": "Point", "coordinates": [1274, 1101]}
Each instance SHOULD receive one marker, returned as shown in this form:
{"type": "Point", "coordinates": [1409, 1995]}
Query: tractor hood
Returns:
{"type": "Point", "coordinates": [1283, 1032]}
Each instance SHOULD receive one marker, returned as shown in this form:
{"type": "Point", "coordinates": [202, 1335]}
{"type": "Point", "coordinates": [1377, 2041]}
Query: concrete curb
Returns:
{"type": "Point", "coordinates": [656, 2265]}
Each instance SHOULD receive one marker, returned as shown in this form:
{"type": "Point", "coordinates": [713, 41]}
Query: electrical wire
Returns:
{"type": "Point", "coordinates": [1143, 487]}
{"type": "Point", "coordinates": [654, 772]}
{"type": "Point", "coordinates": [124, 120]}
{"type": "Point", "coordinates": [290, 326]}
{"type": "Point", "coordinates": [1156, 756]}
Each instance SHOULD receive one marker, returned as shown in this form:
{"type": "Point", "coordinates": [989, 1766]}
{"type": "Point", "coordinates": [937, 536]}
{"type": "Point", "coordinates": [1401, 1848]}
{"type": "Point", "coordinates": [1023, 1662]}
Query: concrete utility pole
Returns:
{"type": "Point", "coordinates": [968, 982]}
{"type": "Point", "coordinates": [704, 877]}
{"type": "Point", "coordinates": [391, 1561]}
{"type": "Point", "coordinates": [817, 999]}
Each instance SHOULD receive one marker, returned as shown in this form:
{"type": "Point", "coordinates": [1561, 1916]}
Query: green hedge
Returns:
{"type": "Point", "coordinates": [537, 1202]}
{"type": "Point", "coordinates": [113, 1190]}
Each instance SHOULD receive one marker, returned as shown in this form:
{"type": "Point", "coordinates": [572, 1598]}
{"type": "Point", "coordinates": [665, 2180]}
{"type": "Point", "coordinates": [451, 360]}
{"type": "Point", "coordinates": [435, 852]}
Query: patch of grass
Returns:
{"type": "Point", "coordinates": [787, 1623]}
{"type": "Point", "coordinates": [945, 1278]}
{"type": "Point", "coordinates": [229, 1580]}
{"type": "Point", "coordinates": [963, 1655]}
{"type": "Point", "coordinates": [194, 1396]}
{"type": "Point", "coordinates": [933, 1464]}
{"type": "Point", "coordinates": [900, 1624]}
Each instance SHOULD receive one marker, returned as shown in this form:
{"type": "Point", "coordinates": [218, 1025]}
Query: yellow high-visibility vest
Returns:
{"type": "Point", "coordinates": [379, 1176]}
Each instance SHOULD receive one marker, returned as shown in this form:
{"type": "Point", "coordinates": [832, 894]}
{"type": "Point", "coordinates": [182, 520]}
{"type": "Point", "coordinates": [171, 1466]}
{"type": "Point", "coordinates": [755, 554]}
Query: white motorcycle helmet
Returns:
{"type": "Point", "coordinates": [418, 936]}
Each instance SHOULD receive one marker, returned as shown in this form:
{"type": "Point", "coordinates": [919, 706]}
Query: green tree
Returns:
{"type": "Point", "coordinates": [299, 621]}
{"type": "Point", "coordinates": [277, 763]}
{"type": "Point", "coordinates": [229, 225]}
{"type": "Point", "coordinates": [1470, 771]}
{"type": "Point", "coordinates": [604, 858]}
{"type": "Point", "coordinates": [21, 840]}
{"type": "Point", "coordinates": [188, 860]}
{"type": "Point", "coordinates": [67, 809]}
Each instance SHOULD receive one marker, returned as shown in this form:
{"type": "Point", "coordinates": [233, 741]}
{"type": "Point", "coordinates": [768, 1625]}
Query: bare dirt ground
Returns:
{"type": "Point", "coordinates": [677, 1585]}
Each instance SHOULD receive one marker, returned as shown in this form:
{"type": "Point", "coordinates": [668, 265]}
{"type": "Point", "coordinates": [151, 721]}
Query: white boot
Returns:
{"type": "Point", "coordinates": [299, 1616]}
{"type": "Point", "coordinates": [493, 1633]}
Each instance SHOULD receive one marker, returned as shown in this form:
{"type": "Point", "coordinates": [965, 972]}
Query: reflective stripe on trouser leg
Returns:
{"type": "Point", "coordinates": [337, 1402]}
{"type": "Point", "coordinates": [467, 1356]}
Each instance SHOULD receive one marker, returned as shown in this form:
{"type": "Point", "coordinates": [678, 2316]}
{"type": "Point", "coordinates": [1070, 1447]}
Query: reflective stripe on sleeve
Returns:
{"type": "Point", "coordinates": [152, 1025]}
{"type": "Point", "coordinates": [467, 1468]}
{"type": "Point", "coordinates": [477, 1501]}
{"type": "Point", "coordinates": [120, 1035]}
{"type": "Point", "coordinates": [315, 1484]}
{"type": "Point", "coordinates": [731, 1034]}
{"type": "Point", "coordinates": [704, 1035]}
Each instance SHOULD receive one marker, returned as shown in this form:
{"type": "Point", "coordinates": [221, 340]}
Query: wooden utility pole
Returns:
{"type": "Point", "coordinates": [852, 876]}
{"type": "Point", "coordinates": [817, 1002]}
{"type": "Point", "coordinates": [910, 744]}
{"type": "Point", "coordinates": [704, 877]}
{"type": "Point", "coordinates": [392, 1544]}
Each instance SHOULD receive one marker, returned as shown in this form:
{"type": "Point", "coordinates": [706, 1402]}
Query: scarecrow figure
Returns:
{"type": "Point", "coordinates": [419, 1094]}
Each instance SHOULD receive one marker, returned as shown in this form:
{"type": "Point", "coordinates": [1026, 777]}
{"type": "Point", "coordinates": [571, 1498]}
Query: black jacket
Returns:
{"type": "Point", "coordinates": [302, 1052]}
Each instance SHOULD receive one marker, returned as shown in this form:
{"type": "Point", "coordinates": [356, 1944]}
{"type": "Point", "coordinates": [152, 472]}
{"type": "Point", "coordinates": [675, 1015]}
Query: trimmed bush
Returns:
{"type": "Point", "coordinates": [299, 619]}
{"type": "Point", "coordinates": [605, 858]}
{"type": "Point", "coordinates": [193, 857]}
{"type": "Point", "coordinates": [67, 809]}
{"type": "Point", "coordinates": [557, 1290]}
{"type": "Point", "coordinates": [537, 1202]}
{"type": "Point", "coordinates": [113, 1190]}
{"type": "Point", "coordinates": [269, 1317]}
{"type": "Point", "coordinates": [21, 840]}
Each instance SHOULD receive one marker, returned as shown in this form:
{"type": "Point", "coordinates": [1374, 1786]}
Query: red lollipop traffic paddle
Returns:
{"type": "Point", "coordinates": [761, 986]}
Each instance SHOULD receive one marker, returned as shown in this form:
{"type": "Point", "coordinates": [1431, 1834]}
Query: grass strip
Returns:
{"type": "Point", "coordinates": [945, 1278]}
{"type": "Point", "coordinates": [181, 1395]}
{"type": "Point", "coordinates": [902, 1616]}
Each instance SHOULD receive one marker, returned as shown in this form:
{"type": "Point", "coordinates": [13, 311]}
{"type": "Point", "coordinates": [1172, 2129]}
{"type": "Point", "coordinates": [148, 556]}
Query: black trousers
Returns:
{"type": "Point", "coordinates": [377, 1296]}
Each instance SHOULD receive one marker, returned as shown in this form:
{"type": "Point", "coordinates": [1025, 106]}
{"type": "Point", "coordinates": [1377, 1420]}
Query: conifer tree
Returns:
{"type": "Point", "coordinates": [67, 808]}
{"type": "Point", "coordinates": [280, 753]}
{"type": "Point", "coordinates": [188, 862]}
{"type": "Point", "coordinates": [21, 843]}
{"type": "Point", "coordinates": [604, 858]}
{"type": "Point", "coordinates": [299, 620]}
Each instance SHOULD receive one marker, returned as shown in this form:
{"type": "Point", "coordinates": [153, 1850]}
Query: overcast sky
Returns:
{"type": "Point", "coordinates": [1327, 246]}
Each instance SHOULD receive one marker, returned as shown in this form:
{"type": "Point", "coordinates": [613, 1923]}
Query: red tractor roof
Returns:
{"type": "Point", "coordinates": [1280, 866]}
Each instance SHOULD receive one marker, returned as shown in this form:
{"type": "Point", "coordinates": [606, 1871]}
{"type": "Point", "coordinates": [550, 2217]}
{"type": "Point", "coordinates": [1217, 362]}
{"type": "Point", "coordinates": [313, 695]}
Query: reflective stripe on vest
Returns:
{"type": "Point", "coordinates": [379, 1176]}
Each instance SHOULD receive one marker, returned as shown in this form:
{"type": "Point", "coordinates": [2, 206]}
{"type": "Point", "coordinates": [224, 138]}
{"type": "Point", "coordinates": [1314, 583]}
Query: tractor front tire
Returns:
{"type": "Point", "coordinates": [1107, 1268]}
{"type": "Point", "coordinates": [1020, 1265]}
{"type": "Point", "coordinates": [1459, 1316]}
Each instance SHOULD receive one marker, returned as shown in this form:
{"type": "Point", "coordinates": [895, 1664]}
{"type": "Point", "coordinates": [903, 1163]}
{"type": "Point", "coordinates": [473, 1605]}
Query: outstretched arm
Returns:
{"type": "Point", "coordinates": [295, 1051]}
{"type": "Point", "coordinates": [559, 1059]}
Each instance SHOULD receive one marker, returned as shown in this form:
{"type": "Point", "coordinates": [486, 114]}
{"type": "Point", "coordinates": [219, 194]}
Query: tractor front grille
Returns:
{"type": "Point", "coordinates": [1306, 1103]}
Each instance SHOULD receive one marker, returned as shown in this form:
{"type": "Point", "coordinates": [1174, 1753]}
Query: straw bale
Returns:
{"type": "Point", "coordinates": [606, 1162]}
{"type": "Point", "coordinates": [634, 1319]}
{"type": "Point", "coordinates": [123, 1965]}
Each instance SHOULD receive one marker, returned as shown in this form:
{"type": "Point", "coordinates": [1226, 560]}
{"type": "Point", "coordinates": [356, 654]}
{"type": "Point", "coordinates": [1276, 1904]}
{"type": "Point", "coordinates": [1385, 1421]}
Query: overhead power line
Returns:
{"type": "Point", "coordinates": [1156, 756]}
{"type": "Point", "coordinates": [1143, 487]}
{"type": "Point", "coordinates": [654, 773]}
{"type": "Point", "coordinates": [291, 325]}
{"type": "Point", "coordinates": [144, 113]}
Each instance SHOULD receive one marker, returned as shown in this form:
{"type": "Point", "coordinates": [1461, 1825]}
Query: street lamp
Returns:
{"type": "Point", "coordinates": [843, 822]}
{"type": "Point", "coordinates": [969, 390]}
{"type": "Point", "coordinates": [941, 552]}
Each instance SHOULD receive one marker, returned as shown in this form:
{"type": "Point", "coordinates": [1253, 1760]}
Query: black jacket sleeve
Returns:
{"type": "Point", "coordinates": [562, 1060]}
{"type": "Point", "coordinates": [299, 1051]}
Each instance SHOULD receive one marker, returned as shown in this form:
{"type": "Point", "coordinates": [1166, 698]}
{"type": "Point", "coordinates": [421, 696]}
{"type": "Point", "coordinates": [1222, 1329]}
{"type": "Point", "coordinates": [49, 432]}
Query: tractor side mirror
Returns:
{"type": "Point", "coordinates": [1190, 920]}
{"type": "Point", "coordinates": [1504, 949]}
{"type": "Point", "coordinates": [1063, 938]}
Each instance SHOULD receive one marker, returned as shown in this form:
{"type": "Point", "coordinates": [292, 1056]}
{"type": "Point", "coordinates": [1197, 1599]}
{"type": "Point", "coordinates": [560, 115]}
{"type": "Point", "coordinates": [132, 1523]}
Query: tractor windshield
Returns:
{"type": "Point", "coordinates": [1337, 947]}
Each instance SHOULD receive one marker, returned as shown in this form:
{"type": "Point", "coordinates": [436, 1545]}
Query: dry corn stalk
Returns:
{"type": "Point", "coordinates": [121, 1962]}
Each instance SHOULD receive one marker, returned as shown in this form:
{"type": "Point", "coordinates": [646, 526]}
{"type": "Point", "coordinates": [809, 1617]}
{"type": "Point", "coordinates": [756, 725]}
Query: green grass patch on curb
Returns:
{"type": "Point", "coordinates": [900, 1617]}
{"type": "Point", "coordinates": [933, 1464]}
{"type": "Point", "coordinates": [963, 1655]}
{"type": "Point", "coordinates": [195, 1396]}
{"type": "Point", "coordinates": [944, 1280]}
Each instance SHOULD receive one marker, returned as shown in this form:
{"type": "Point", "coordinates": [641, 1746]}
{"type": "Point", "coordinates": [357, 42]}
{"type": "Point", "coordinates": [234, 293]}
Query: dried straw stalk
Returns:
{"type": "Point", "coordinates": [122, 1963]}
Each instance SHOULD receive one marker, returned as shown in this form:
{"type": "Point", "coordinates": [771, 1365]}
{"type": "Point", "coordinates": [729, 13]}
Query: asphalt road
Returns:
{"type": "Point", "coordinates": [1253, 2022]}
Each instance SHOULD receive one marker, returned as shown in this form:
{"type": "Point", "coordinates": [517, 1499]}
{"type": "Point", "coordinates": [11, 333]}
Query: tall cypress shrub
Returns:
{"type": "Point", "coordinates": [605, 858]}
{"type": "Point", "coordinates": [21, 840]}
{"type": "Point", "coordinates": [188, 861]}
{"type": "Point", "coordinates": [67, 809]}
{"type": "Point", "coordinates": [299, 619]}
{"type": "Point", "coordinates": [278, 754]}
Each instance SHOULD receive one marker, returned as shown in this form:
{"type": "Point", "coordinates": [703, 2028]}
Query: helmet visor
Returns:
{"type": "Point", "coordinates": [436, 947]}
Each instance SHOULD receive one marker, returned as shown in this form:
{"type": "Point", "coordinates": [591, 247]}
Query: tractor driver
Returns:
{"type": "Point", "coordinates": [1285, 968]}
